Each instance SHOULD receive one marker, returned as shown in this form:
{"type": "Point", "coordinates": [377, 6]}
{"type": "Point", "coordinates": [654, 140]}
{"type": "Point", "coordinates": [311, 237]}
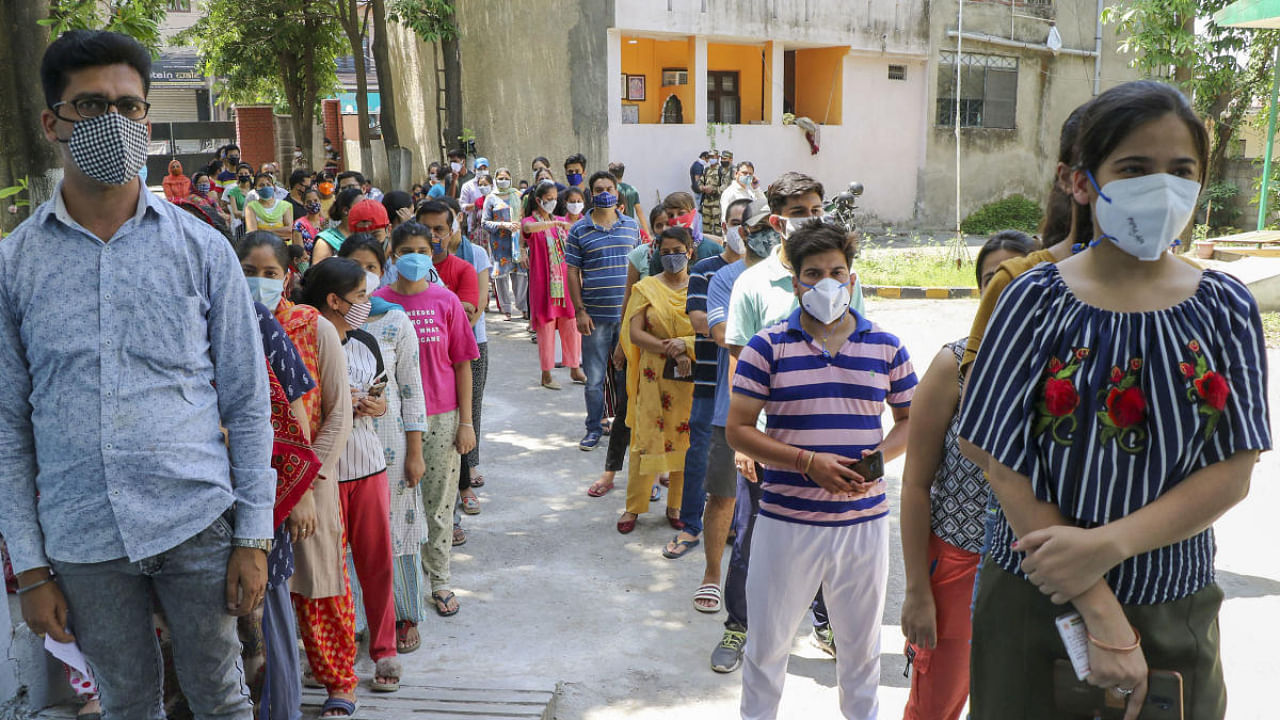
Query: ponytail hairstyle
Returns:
{"type": "Point", "coordinates": [1116, 113]}
{"type": "Point", "coordinates": [333, 276]}
{"type": "Point", "coordinates": [1014, 241]}
{"type": "Point", "coordinates": [342, 204]}
{"type": "Point", "coordinates": [1060, 204]}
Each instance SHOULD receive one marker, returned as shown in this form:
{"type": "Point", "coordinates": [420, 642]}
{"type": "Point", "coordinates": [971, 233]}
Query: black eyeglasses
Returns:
{"type": "Point", "coordinates": [88, 108]}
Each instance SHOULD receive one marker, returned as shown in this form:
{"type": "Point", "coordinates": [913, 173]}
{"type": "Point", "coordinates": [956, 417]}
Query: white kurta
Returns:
{"type": "Point", "coordinates": [406, 412]}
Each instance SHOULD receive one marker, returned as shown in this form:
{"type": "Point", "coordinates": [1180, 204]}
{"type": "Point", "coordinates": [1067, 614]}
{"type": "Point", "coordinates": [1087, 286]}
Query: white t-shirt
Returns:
{"type": "Point", "coordinates": [364, 455]}
{"type": "Point", "coordinates": [483, 267]}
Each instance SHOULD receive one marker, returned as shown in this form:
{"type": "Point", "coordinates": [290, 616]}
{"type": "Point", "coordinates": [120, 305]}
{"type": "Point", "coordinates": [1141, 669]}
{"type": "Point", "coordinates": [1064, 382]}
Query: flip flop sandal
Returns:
{"type": "Point", "coordinates": [708, 592]}
{"type": "Point", "coordinates": [387, 668]}
{"type": "Point", "coordinates": [471, 504]}
{"type": "Point", "coordinates": [477, 481]}
{"type": "Point", "coordinates": [599, 490]}
{"type": "Point", "coordinates": [403, 646]}
{"type": "Point", "coordinates": [348, 707]}
{"type": "Point", "coordinates": [459, 537]}
{"type": "Point", "coordinates": [441, 599]}
{"type": "Point", "coordinates": [682, 548]}
{"type": "Point", "coordinates": [551, 385]}
{"type": "Point", "coordinates": [626, 526]}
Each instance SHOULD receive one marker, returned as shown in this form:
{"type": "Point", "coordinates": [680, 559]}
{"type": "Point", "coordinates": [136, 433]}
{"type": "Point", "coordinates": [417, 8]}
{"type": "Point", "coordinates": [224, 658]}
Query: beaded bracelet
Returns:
{"type": "Point", "coordinates": [1137, 642]}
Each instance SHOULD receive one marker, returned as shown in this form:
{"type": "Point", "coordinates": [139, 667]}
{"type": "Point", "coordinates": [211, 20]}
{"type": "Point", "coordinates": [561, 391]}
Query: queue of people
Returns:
{"type": "Point", "coordinates": [283, 444]}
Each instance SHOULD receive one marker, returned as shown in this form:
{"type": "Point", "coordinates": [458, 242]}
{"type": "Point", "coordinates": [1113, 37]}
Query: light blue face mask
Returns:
{"type": "Point", "coordinates": [415, 267]}
{"type": "Point", "coordinates": [266, 291]}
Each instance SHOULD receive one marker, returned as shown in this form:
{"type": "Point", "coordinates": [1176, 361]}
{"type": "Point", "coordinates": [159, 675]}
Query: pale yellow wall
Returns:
{"type": "Point", "coordinates": [749, 62]}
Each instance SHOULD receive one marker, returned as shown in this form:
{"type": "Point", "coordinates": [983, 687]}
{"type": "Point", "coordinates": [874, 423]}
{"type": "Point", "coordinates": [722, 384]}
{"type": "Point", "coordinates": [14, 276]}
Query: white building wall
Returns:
{"type": "Point", "coordinates": [878, 144]}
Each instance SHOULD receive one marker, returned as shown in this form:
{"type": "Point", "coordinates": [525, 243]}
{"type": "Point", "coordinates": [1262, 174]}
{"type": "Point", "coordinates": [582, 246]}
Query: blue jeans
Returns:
{"type": "Point", "coordinates": [735, 581]}
{"type": "Point", "coordinates": [596, 350]}
{"type": "Point", "coordinates": [694, 500]}
{"type": "Point", "coordinates": [111, 611]}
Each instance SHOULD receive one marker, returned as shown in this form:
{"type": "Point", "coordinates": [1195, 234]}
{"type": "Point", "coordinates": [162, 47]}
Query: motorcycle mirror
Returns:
{"type": "Point", "coordinates": [844, 198]}
{"type": "Point", "coordinates": [855, 188]}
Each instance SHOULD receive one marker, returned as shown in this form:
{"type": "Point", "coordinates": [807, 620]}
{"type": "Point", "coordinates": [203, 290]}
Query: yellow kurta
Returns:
{"type": "Point", "coordinates": [657, 410]}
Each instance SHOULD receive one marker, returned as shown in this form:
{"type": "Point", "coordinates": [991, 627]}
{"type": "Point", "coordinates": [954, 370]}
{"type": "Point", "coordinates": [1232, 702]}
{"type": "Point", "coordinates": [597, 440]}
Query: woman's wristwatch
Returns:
{"type": "Point", "coordinates": [263, 545]}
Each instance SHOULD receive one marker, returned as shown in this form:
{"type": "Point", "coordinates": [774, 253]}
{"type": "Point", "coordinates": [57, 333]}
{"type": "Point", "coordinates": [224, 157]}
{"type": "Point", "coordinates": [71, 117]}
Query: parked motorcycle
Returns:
{"type": "Point", "coordinates": [843, 209]}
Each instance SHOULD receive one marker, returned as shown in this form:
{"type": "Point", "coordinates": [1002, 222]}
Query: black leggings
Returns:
{"type": "Point", "coordinates": [620, 435]}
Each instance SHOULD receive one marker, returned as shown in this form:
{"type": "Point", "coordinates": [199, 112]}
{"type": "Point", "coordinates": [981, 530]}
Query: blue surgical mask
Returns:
{"type": "Point", "coordinates": [415, 267]}
{"type": "Point", "coordinates": [605, 199]}
{"type": "Point", "coordinates": [267, 192]}
{"type": "Point", "coordinates": [266, 291]}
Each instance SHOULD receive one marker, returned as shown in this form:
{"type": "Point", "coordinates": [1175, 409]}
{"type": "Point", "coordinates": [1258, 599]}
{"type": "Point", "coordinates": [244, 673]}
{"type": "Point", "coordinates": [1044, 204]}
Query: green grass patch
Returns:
{"type": "Point", "coordinates": [912, 268]}
{"type": "Point", "coordinates": [1271, 328]}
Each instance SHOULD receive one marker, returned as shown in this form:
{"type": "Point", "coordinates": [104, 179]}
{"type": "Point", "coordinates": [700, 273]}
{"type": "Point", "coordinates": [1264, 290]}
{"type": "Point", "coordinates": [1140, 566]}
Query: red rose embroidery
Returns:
{"type": "Point", "coordinates": [1194, 346]}
{"type": "Point", "coordinates": [1082, 353]}
{"type": "Point", "coordinates": [1126, 408]}
{"type": "Point", "coordinates": [1117, 374]}
{"type": "Point", "coordinates": [1054, 366]}
{"type": "Point", "coordinates": [1135, 364]}
{"type": "Point", "coordinates": [1188, 372]}
{"type": "Point", "coordinates": [1214, 389]}
{"type": "Point", "coordinates": [650, 375]}
{"type": "Point", "coordinates": [682, 428]}
{"type": "Point", "coordinates": [1060, 397]}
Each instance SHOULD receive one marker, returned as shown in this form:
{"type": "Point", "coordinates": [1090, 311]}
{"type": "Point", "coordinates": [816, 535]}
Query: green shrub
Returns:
{"type": "Point", "coordinates": [1012, 213]}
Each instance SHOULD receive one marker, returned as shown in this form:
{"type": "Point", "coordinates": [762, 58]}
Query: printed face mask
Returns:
{"type": "Point", "coordinates": [604, 199]}
{"type": "Point", "coordinates": [313, 208]}
{"type": "Point", "coordinates": [415, 267]}
{"type": "Point", "coordinates": [763, 242]}
{"type": "Point", "coordinates": [826, 301]}
{"type": "Point", "coordinates": [266, 291]}
{"type": "Point", "coordinates": [109, 148]}
{"type": "Point", "coordinates": [674, 263]}
{"type": "Point", "coordinates": [1144, 215]}
{"type": "Point", "coordinates": [685, 220]}
{"type": "Point", "coordinates": [503, 184]}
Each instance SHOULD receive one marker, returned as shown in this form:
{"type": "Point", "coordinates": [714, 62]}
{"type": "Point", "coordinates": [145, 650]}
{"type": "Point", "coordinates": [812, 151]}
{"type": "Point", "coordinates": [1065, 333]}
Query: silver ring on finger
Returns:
{"type": "Point", "coordinates": [1124, 692]}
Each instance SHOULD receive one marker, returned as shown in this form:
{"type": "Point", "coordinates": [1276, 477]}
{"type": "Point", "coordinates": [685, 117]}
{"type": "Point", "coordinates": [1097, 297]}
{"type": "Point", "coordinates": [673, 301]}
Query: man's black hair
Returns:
{"type": "Point", "coordinates": [601, 174]}
{"type": "Point", "coordinates": [79, 49]}
{"type": "Point", "coordinates": [456, 153]}
{"type": "Point", "coordinates": [618, 170]}
{"type": "Point", "coordinates": [578, 158]}
{"type": "Point", "coordinates": [350, 174]}
{"type": "Point", "coordinates": [229, 147]}
{"type": "Point", "coordinates": [296, 178]}
{"type": "Point", "coordinates": [432, 207]}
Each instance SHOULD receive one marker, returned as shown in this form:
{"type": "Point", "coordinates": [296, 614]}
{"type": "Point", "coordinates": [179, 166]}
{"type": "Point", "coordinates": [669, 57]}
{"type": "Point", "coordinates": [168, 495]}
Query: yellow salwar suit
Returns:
{"type": "Point", "coordinates": [658, 409]}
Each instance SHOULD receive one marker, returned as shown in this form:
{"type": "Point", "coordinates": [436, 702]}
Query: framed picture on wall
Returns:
{"type": "Point", "coordinates": [635, 88]}
{"type": "Point", "coordinates": [624, 85]}
{"type": "Point", "coordinates": [630, 114]}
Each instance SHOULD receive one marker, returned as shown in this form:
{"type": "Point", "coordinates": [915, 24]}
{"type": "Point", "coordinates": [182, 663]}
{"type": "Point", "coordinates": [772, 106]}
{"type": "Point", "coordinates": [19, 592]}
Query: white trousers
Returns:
{"type": "Point", "coordinates": [789, 562]}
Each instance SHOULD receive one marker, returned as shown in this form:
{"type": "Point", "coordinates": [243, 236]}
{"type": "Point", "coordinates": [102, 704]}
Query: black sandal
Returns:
{"type": "Point", "coordinates": [442, 598]}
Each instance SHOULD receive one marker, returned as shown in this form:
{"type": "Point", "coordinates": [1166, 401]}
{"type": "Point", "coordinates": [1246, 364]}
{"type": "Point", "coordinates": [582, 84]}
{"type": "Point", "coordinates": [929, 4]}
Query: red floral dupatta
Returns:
{"type": "Point", "coordinates": [295, 463]}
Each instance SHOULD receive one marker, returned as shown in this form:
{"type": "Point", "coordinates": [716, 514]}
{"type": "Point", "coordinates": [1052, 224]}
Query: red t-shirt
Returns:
{"type": "Point", "coordinates": [458, 275]}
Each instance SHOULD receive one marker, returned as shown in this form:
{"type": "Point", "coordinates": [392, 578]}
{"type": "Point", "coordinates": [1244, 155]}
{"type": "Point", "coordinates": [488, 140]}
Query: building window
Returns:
{"type": "Point", "coordinates": [179, 5]}
{"type": "Point", "coordinates": [897, 72]}
{"type": "Point", "coordinates": [988, 90]}
{"type": "Point", "coordinates": [674, 76]}
{"type": "Point", "coordinates": [723, 102]}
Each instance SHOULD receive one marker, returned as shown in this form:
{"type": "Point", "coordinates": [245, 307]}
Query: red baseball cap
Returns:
{"type": "Point", "coordinates": [367, 216]}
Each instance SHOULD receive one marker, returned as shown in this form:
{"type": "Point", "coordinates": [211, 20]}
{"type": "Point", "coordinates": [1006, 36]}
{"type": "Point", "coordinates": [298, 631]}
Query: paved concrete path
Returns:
{"type": "Point", "coordinates": [551, 593]}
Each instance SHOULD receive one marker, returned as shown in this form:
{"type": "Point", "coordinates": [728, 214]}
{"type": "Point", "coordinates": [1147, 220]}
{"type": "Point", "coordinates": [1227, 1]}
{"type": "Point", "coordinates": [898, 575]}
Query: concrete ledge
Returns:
{"type": "Point", "coordinates": [907, 292]}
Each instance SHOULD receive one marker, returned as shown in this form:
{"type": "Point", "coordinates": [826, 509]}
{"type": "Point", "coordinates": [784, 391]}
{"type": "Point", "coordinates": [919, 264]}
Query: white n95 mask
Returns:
{"type": "Point", "coordinates": [1144, 215]}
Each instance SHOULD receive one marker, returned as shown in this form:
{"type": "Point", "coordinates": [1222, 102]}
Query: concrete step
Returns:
{"type": "Point", "coordinates": [428, 702]}
{"type": "Point", "coordinates": [417, 702]}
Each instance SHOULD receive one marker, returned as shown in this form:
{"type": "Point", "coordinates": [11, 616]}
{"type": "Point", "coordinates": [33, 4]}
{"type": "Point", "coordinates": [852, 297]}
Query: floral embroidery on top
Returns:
{"type": "Point", "coordinates": [1125, 408]}
{"type": "Point", "coordinates": [1208, 388]}
{"type": "Point", "coordinates": [1058, 402]}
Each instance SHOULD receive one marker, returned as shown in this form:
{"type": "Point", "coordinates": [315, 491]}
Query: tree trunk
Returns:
{"type": "Point", "coordinates": [349, 16]}
{"type": "Point", "coordinates": [399, 159]}
{"type": "Point", "coordinates": [452, 88]}
{"type": "Point", "coordinates": [25, 152]}
{"type": "Point", "coordinates": [1184, 71]}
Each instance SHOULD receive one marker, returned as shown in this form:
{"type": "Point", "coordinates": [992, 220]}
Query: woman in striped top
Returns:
{"type": "Point", "coordinates": [338, 288]}
{"type": "Point", "coordinates": [1118, 403]}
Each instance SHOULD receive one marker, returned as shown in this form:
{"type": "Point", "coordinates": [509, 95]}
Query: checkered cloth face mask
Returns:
{"type": "Point", "coordinates": [109, 148]}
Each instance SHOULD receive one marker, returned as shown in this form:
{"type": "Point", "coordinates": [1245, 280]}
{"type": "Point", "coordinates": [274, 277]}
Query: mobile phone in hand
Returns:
{"type": "Point", "coordinates": [871, 467]}
{"type": "Point", "coordinates": [376, 390]}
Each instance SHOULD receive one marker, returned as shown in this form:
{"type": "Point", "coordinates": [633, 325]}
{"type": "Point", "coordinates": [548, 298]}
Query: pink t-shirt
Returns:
{"type": "Point", "coordinates": [444, 337]}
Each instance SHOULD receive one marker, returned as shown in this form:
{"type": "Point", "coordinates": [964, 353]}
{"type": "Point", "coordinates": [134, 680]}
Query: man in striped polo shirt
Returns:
{"type": "Point", "coordinates": [822, 377]}
{"type": "Point", "coordinates": [596, 253]}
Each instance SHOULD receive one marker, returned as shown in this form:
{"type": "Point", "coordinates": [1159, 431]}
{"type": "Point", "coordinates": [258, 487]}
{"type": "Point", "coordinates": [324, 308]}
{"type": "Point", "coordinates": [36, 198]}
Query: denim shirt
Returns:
{"type": "Point", "coordinates": [118, 363]}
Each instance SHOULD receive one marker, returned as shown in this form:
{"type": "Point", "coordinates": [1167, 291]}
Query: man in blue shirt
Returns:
{"type": "Point", "coordinates": [128, 345]}
{"type": "Point", "coordinates": [596, 253]}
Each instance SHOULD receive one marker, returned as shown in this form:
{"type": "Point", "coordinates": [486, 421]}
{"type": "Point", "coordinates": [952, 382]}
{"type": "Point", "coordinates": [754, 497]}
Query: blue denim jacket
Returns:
{"type": "Point", "coordinates": [118, 363]}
